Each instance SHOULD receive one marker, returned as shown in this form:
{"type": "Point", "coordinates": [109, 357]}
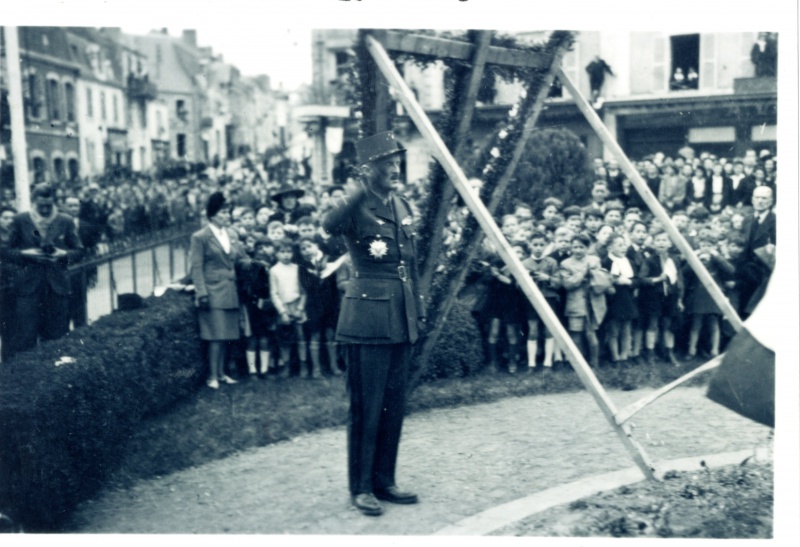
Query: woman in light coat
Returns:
{"type": "Point", "coordinates": [215, 250]}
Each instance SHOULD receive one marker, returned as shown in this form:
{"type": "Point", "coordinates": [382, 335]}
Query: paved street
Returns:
{"type": "Point", "coordinates": [461, 461]}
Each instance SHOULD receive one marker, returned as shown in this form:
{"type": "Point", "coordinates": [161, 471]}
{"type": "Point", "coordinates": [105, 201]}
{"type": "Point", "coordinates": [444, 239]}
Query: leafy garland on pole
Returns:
{"type": "Point", "coordinates": [494, 158]}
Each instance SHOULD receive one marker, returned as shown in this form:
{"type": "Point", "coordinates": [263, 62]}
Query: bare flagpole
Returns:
{"type": "Point", "coordinates": [19, 148]}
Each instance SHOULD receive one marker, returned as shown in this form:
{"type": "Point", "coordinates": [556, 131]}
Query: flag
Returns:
{"type": "Point", "coordinates": [745, 380]}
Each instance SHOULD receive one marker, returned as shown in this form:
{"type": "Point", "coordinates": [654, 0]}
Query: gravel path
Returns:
{"type": "Point", "coordinates": [460, 461]}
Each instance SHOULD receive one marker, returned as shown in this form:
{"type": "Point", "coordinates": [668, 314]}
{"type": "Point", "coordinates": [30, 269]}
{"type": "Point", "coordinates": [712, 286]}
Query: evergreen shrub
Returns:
{"type": "Point", "coordinates": [63, 427]}
{"type": "Point", "coordinates": [459, 349]}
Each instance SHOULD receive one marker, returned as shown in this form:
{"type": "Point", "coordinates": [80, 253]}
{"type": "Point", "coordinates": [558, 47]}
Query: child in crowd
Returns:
{"type": "Point", "coordinates": [560, 251]}
{"type": "Point", "coordinates": [700, 306]}
{"type": "Point", "coordinates": [552, 207]}
{"type": "Point", "coordinates": [259, 311]}
{"type": "Point", "coordinates": [622, 310]}
{"type": "Point", "coordinates": [247, 221]}
{"type": "Point", "coordinates": [503, 308]}
{"type": "Point", "coordinates": [599, 196]}
{"type": "Point", "coordinates": [322, 303]}
{"type": "Point", "coordinates": [661, 296]}
{"type": "Point", "coordinates": [262, 218]}
{"type": "Point", "coordinates": [584, 309]}
{"type": "Point", "coordinates": [599, 246]}
{"type": "Point", "coordinates": [631, 217]}
{"type": "Point", "coordinates": [509, 225]}
{"type": "Point", "coordinates": [289, 299]}
{"type": "Point", "coordinates": [573, 216]}
{"type": "Point", "coordinates": [613, 214]}
{"type": "Point", "coordinates": [275, 231]}
{"type": "Point", "coordinates": [544, 271]}
{"type": "Point", "coordinates": [525, 229]}
{"type": "Point", "coordinates": [637, 254]}
{"type": "Point", "coordinates": [592, 220]}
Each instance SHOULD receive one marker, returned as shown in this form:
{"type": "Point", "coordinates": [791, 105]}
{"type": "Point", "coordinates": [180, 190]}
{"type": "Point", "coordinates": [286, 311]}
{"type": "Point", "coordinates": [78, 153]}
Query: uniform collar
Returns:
{"type": "Point", "coordinates": [379, 207]}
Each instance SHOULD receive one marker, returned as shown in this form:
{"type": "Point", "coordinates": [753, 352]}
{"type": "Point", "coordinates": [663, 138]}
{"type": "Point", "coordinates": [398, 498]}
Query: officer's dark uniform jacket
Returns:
{"type": "Point", "coordinates": [382, 304]}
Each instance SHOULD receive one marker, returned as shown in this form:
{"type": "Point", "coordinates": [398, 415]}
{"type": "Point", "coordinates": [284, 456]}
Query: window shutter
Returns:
{"type": "Point", "coordinates": [746, 68]}
{"type": "Point", "coordinates": [660, 64]}
{"type": "Point", "coordinates": [708, 61]}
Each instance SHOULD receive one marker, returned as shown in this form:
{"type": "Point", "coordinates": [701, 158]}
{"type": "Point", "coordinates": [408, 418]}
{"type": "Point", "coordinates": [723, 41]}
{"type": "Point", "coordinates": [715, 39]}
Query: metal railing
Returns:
{"type": "Point", "coordinates": [138, 269]}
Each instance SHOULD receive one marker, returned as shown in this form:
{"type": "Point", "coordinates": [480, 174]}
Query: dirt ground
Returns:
{"type": "Point", "coordinates": [460, 461]}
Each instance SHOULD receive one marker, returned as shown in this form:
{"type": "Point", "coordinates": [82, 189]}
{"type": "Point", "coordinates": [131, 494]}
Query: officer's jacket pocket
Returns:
{"type": "Point", "coordinates": [366, 313]}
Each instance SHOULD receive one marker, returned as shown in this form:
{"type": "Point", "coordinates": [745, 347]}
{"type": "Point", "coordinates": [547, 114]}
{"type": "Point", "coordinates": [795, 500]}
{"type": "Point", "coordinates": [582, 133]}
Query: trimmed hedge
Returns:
{"type": "Point", "coordinates": [63, 428]}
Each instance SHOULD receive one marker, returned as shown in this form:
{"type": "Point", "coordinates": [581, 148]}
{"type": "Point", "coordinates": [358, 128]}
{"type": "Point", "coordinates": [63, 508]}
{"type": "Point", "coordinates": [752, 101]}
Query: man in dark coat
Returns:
{"type": "Point", "coordinates": [760, 234]}
{"type": "Point", "coordinates": [382, 316]}
{"type": "Point", "coordinates": [43, 242]}
{"type": "Point", "coordinates": [597, 71]}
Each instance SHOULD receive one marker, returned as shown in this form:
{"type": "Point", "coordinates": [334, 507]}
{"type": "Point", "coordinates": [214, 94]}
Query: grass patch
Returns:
{"type": "Point", "coordinates": [214, 424]}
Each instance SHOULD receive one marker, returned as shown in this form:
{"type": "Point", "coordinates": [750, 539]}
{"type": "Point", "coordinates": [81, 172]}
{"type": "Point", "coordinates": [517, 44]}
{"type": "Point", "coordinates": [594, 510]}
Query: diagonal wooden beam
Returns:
{"type": "Point", "coordinates": [627, 413]}
{"type": "Point", "coordinates": [456, 49]}
{"type": "Point", "coordinates": [653, 204]}
{"type": "Point", "coordinates": [464, 114]}
{"type": "Point", "coordinates": [502, 186]}
{"type": "Point", "coordinates": [493, 233]}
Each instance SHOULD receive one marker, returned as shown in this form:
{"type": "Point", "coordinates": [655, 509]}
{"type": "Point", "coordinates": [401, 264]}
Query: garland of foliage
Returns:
{"type": "Point", "coordinates": [494, 158]}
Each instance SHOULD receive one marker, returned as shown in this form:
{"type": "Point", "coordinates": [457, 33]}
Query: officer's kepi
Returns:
{"type": "Point", "coordinates": [378, 146]}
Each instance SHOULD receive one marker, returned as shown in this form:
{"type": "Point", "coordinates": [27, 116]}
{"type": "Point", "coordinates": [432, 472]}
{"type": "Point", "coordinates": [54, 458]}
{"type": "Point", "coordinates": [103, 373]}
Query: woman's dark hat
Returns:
{"type": "Point", "coordinates": [287, 190]}
{"type": "Point", "coordinates": [216, 202]}
{"type": "Point", "coordinates": [377, 146]}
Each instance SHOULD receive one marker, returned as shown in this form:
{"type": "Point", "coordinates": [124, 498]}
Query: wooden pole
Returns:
{"type": "Point", "coordinates": [472, 246]}
{"type": "Point", "coordinates": [19, 148]}
{"type": "Point", "coordinates": [476, 206]}
{"type": "Point", "coordinates": [652, 202]}
{"type": "Point", "coordinates": [626, 413]}
{"type": "Point", "coordinates": [465, 109]}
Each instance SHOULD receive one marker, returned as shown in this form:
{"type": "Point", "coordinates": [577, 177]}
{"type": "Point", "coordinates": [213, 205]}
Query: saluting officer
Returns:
{"type": "Point", "coordinates": [382, 315]}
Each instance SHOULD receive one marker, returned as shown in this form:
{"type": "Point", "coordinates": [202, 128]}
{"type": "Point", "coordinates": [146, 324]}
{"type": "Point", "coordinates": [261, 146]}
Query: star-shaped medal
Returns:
{"type": "Point", "coordinates": [378, 248]}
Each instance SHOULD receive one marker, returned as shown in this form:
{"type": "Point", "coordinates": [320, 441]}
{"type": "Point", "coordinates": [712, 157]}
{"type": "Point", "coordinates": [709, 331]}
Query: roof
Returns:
{"type": "Point", "coordinates": [171, 66]}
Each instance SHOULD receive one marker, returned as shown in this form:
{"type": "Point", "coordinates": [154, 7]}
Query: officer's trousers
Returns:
{"type": "Point", "coordinates": [377, 378]}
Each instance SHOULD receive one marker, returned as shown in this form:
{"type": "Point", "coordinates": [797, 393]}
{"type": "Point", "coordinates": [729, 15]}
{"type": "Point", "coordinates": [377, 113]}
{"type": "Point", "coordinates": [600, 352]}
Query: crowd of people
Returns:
{"type": "Point", "coordinates": [290, 294]}
{"type": "Point", "coordinates": [614, 276]}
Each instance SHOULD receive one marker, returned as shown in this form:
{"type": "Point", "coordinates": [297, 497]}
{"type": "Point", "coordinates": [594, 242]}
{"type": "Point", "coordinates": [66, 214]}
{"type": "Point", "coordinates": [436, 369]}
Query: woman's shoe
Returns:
{"type": "Point", "coordinates": [213, 384]}
{"type": "Point", "coordinates": [227, 379]}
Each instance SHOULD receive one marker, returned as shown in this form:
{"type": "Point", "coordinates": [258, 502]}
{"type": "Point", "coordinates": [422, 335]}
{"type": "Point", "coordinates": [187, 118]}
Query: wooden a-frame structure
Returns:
{"type": "Point", "coordinates": [480, 52]}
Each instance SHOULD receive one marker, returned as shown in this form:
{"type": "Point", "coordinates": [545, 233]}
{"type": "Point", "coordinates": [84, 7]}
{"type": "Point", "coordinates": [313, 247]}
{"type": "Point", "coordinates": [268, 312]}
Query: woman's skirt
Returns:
{"type": "Point", "coordinates": [218, 325]}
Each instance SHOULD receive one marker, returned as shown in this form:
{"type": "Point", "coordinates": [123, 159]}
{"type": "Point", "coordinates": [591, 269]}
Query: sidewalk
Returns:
{"type": "Point", "coordinates": [461, 461]}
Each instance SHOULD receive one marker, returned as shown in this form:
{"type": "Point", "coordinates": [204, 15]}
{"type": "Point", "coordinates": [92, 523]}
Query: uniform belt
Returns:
{"type": "Point", "coordinates": [401, 274]}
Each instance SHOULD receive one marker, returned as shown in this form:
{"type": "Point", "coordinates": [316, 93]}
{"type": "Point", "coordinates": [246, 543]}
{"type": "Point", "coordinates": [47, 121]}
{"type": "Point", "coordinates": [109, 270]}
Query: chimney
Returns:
{"type": "Point", "coordinates": [190, 37]}
{"type": "Point", "coordinates": [165, 31]}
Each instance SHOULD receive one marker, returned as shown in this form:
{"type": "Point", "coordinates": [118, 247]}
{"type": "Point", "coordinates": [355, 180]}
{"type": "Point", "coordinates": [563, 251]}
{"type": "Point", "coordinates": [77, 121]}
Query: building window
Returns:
{"type": "Point", "coordinates": [39, 170]}
{"type": "Point", "coordinates": [69, 97]}
{"type": "Point", "coordinates": [54, 99]}
{"type": "Point", "coordinates": [180, 109]}
{"type": "Point", "coordinates": [103, 105]}
{"type": "Point", "coordinates": [58, 169]}
{"type": "Point", "coordinates": [143, 115]}
{"type": "Point", "coordinates": [160, 123]}
{"type": "Point", "coordinates": [73, 168]}
{"type": "Point", "coordinates": [181, 145]}
{"type": "Point", "coordinates": [35, 95]}
{"type": "Point", "coordinates": [685, 50]}
{"type": "Point", "coordinates": [89, 103]}
{"type": "Point", "coordinates": [116, 109]}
